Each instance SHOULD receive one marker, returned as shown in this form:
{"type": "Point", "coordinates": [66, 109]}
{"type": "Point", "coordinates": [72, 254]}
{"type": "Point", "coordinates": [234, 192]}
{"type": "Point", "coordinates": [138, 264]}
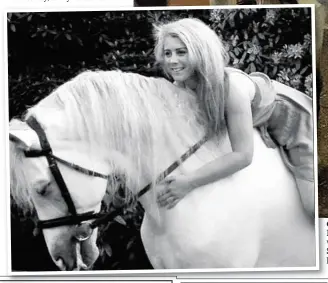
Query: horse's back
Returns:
{"type": "Point", "coordinates": [254, 218]}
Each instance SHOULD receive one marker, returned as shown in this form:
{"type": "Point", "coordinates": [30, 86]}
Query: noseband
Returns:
{"type": "Point", "coordinates": [83, 228]}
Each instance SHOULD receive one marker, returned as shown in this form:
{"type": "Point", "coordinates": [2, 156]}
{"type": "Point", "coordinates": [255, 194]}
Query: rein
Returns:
{"type": "Point", "coordinates": [79, 218]}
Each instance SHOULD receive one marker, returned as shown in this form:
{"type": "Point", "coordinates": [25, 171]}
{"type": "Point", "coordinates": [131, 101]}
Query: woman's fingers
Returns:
{"type": "Point", "coordinates": [173, 203]}
{"type": "Point", "coordinates": [166, 196]}
{"type": "Point", "coordinates": [169, 179]}
{"type": "Point", "coordinates": [166, 199]}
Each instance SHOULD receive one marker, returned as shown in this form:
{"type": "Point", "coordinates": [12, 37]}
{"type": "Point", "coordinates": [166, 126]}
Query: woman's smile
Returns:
{"type": "Point", "coordinates": [176, 59]}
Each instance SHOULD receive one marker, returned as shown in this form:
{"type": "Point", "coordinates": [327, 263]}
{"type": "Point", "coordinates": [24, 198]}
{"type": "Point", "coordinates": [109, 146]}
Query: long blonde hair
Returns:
{"type": "Point", "coordinates": [208, 58]}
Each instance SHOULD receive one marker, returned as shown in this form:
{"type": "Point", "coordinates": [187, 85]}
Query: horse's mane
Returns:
{"type": "Point", "coordinates": [132, 114]}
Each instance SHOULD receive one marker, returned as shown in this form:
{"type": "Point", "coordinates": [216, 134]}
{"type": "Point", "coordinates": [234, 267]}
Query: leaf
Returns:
{"type": "Point", "coordinates": [231, 54]}
{"type": "Point", "coordinates": [119, 219]}
{"type": "Point", "coordinates": [252, 67]}
{"type": "Point", "coordinates": [298, 65]}
{"type": "Point", "coordinates": [243, 57]}
{"type": "Point", "coordinates": [231, 20]}
{"type": "Point", "coordinates": [68, 36]}
{"type": "Point", "coordinates": [237, 51]}
{"type": "Point", "coordinates": [108, 249]}
{"type": "Point", "coordinates": [261, 35]}
{"type": "Point", "coordinates": [265, 69]}
{"type": "Point", "coordinates": [109, 43]}
{"type": "Point", "coordinates": [303, 70]}
{"type": "Point", "coordinates": [130, 243]}
{"type": "Point", "coordinates": [235, 61]}
{"type": "Point", "coordinates": [79, 41]}
{"type": "Point", "coordinates": [13, 28]}
{"type": "Point", "coordinates": [29, 18]}
{"type": "Point", "coordinates": [255, 39]}
{"type": "Point", "coordinates": [277, 39]}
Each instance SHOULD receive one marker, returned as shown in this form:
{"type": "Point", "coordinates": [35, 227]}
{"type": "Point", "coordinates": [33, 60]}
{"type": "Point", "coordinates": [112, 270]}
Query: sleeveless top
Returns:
{"type": "Point", "coordinates": [264, 97]}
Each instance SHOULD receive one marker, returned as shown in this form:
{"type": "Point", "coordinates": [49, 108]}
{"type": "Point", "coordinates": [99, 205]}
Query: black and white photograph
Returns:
{"type": "Point", "coordinates": [162, 139]}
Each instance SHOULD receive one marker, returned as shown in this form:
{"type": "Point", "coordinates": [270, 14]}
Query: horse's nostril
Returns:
{"type": "Point", "coordinates": [67, 265]}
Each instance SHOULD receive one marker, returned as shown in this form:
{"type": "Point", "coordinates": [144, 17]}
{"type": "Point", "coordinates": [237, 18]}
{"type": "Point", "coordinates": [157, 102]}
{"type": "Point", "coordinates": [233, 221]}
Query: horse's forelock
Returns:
{"type": "Point", "coordinates": [19, 185]}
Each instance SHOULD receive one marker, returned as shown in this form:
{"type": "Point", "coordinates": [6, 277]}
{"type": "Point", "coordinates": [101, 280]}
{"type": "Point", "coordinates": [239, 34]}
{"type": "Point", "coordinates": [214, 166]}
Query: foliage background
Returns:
{"type": "Point", "coordinates": [47, 49]}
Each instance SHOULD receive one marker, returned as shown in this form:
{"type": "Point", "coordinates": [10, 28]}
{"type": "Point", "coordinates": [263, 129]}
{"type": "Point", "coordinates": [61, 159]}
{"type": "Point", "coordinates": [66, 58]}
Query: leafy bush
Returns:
{"type": "Point", "coordinates": [265, 40]}
{"type": "Point", "coordinates": [47, 49]}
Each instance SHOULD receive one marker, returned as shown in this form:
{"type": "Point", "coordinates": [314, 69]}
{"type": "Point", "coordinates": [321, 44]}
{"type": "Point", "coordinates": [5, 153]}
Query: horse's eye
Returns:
{"type": "Point", "coordinates": [43, 190]}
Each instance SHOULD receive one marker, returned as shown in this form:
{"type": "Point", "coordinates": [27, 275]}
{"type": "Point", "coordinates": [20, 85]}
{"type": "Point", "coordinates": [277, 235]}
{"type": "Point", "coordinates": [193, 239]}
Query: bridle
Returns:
{"type": "Point", "coordinates": [84, 228]}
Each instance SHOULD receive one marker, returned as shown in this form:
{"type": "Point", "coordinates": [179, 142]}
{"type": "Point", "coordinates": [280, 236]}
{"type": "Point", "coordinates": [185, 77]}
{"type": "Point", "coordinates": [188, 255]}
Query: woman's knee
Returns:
{"type": "Point", "coordinates": [307, 192]}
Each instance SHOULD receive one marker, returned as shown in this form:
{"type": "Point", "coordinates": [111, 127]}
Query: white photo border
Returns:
{"type": "Point", "coordinates": [170, 272]}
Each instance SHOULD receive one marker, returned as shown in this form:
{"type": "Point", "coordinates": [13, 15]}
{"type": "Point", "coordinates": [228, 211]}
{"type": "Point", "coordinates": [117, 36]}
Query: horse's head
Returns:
{"type": "Point", "coordinates": [35, 187]}
{"type": "Point", "coordinates": [109, 123]}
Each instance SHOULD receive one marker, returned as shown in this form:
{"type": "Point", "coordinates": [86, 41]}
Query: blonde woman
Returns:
{"type": "Point", "coordinates": [193, 56]}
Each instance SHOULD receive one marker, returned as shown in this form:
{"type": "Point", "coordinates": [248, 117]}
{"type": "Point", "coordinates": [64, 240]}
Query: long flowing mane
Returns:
{"type": "Point", "coordinates": [112, 110]}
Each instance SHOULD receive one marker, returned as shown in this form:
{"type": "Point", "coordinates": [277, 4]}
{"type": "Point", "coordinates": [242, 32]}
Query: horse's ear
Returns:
{"type": "Point", "coordinates": [23, 136]}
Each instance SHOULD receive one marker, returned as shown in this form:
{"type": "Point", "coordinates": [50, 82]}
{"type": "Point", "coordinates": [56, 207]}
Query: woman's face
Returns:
{"type": "Point", "coordinates": [176, 59]}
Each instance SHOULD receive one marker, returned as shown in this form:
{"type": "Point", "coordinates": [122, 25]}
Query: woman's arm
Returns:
{"type": "Point", "coordinates": [240, 130]}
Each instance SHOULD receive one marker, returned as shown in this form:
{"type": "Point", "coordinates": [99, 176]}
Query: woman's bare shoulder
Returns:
{"type": "Point", "coordinates": [241, 87]}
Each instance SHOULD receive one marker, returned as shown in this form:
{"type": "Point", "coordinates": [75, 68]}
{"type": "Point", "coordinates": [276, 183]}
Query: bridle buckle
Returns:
{"type": "Point", "coordinates": [83, 231]}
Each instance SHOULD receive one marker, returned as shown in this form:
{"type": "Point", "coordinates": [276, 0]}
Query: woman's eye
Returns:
{"type": "Point", "coordinates": [167, 54]}
{"type": "Point", "coordinates": [182, 52]}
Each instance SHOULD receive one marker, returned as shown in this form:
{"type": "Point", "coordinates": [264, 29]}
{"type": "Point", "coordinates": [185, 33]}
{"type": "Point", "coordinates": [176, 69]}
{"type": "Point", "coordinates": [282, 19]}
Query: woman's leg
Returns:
{"type": "Point", "coordinates": [301, 164]}
{"type": "Point", "coordinates": [292, 129]}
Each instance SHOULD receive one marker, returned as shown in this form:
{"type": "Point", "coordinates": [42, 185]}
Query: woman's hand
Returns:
{"type": "Point", "coordinates": [175, 188]}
